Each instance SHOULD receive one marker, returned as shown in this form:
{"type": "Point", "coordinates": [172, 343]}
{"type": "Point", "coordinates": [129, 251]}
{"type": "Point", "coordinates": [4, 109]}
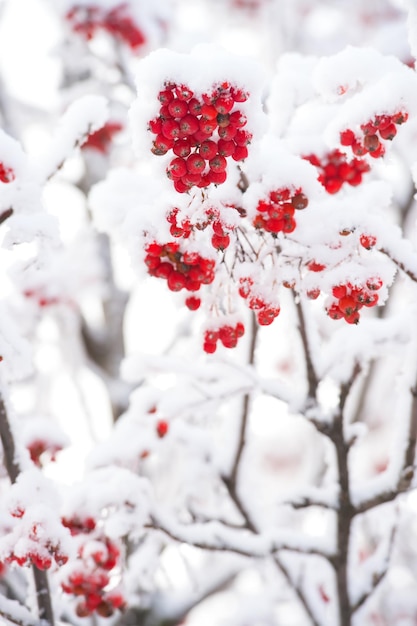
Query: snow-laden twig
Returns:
{"type": "Point", "coordinates": [217, 537]}
{"type": "Point", "coordinates": [15, 613]}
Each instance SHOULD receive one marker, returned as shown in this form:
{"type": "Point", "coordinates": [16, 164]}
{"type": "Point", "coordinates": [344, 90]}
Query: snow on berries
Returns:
{"type": "Point", "coordinates": [228, 334]}
{"type": "Point", "coordinates": [202, 131]}
{"type": "Point", "coordinates": [275, 213]}
{"type": "Point", "coordinates": [373, 134]}
{"type": "Point", "coordinates": [335, 169]}
{"type": "Point", "coordinates": [181, 269]}
{"type": "Point", "coordinates": [349, 299]}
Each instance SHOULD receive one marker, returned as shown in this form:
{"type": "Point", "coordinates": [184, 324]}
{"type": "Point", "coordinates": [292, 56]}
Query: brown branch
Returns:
{"type": "Point", "coordinates": [312, 378]}
{"type": "Point", "coordinates": [43, 595]}
{"type": "Point", "coordinates": [5, 215]}
{"type": "Point", "coordinates": [345, 513]}
{"type": "Point", "coordinates": [400, 265]}
{"type": "Point", "coordinates": [297, 590]}
{"type": "Point", "coordinates": [377, 578]}
{"type": "Point", "coordinates": [408, 467]}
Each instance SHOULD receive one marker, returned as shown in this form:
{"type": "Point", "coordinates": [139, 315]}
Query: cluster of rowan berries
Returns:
{"type": "Point", "coordinates": [101, 139]}
{"type": "Point", "coordinates": [181, 270]}
{"type": "Point", "coordinates": [98, 555]}
{"type": "Point", "coordinates": [42, 552]}
{"type": "Point", "coordinates": [91, 585]}
{"type": "Point", "coordinates": [335, 170]}
{"type": "Point", "coordinates": [373, 134]}
{"type": "Point", "coordinates": [228, 335]}
{"type": "Point", "coordinates": [202, 133]}
{"type": "Point", "coordinates": [38, 447]}
{"type": "Point", "coordinates": [6, 173]}
{"type": "Point", "coordinates": [275, 213]}
{"type": "Point", "coordinates": [87, 20]}
{"type": "Point", "coordinates": [266, 312]}
{"type": "Point", "coordinates": [349, 299]}
{"type": "Point", "coordinates": [220, 239]}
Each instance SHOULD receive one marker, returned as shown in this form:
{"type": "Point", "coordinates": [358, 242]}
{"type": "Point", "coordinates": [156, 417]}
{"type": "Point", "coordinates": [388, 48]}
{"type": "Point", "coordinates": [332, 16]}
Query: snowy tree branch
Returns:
{"type": "Point", "coordinates": [15, 613]}
{"type": "Point", "coordinates": [214, 536]}
{"type": "Point", "coordinates": [9, 449]}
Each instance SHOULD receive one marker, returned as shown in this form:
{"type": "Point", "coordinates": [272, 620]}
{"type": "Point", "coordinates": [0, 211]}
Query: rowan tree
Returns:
{"type": "Point", "coordinates": [208, 366]}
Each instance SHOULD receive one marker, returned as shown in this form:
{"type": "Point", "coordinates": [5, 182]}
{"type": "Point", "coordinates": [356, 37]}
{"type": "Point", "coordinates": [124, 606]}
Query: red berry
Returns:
{"type": "Point", "coordinates": [177, 168]}
{"type": "Point", "coordinates": [170, 129]}
{"type": "Point", "coordinates": [367, 241]}
{"type": "Point", "coordinates": [240, 153]}
{"type": "Point", "coordinates": [195, 164]}
{"type": "Point", "coordinates": [195, 106]}
{"type": "Point", "coordinates": [176, 281]}
{"type": "Point", "coordinates": [161, 145]}
{"type": "Point", "coordinates": [177, 108]}
{"type": "Point", "coordinates": [193, 303]}
{"type": "Point", "coordinates": [227, 148]}
{"type": "Point", "coordinates": [208, 149]}
{"type": "Point", "coordinates": [183, 92]}
{"type": "Point", "coordinates": [217, 178]}
{"type": "Point", "coordinates": [238, 119]}
{"type": "Point", "coordinates": [218, 164]}
{"type": "Point", "coordinates": [220, 242]}
{"type": "Point", "coordinates": [347, 137]}
{"type": "Point", "coordinates": [388, 132]}
{"type": "Point", "coordinates": [165, 96]}
{"type": "Point", "coordinates": [182, 147]}
{"type": "Point", "coordinates": [162, 428]}
{"type": "Point", "coordinates": [189, 125]}
{"type": "Point", "coordinates": [238, 95]}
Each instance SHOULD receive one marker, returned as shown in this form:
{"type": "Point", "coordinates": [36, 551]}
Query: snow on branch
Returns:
{"type": "Point", "coordinates": [83, 117]}
{"type": "Point", "coordinates": [14, 612]}
{"type": "Point", "coordinates": [215, 536]}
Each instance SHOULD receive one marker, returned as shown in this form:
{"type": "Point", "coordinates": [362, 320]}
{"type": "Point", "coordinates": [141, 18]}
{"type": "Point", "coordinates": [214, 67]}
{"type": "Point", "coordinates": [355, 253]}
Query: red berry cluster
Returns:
{"type": "Point", "coordinates": [99, 556]}
{"type": "Point", "coordinates": [87, 20]}
{"type": "Point", "coordinates": [91, 585]}
{"type": "Point", "coordinates": [335, 169]}
{"type": "Point", "coordinates": [181, 270]}
{"type": "Point", "coordinates": [373, 134]}
{"type": "Point", "coordinates": [42, 552]}
{"type": "Point", "coordinates": [265, 312]}
{"type": "Point", "coordinates": [6, 173]}
{"type": "Point", "coordinates": [276, 213]}
{"type": "Point", "coordinates": [228, 335]}
{"type": "Point", "coordinates": [38, 447]}
{"type": "Point", "coordinates": [100, 141]}
{"type": "Point", "coordinates": [220, 239]}
{"type": "Point", "coordinates": [202, 132]}
{"type": "Point", "coordinates": [351, 298]}
{"type": "Point", "coordinates": [77, 525]}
